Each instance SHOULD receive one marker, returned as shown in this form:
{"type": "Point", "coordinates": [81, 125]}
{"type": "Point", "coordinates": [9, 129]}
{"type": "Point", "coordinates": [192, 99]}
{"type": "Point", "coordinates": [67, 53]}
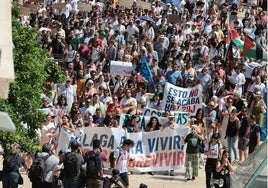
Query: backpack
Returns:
{"type": "Point", "coordinates": [37, 169]}
{"type": "Point", "coordinates": [111, 157]}
{"type": "Point", "coordinates": [70, 164]}
{"type": "Point", "coordinates": [94, 166]}
{"type": "Point", "coordinates": [263, 132]}
{"type": "Point", "coordinates": [11, 163]}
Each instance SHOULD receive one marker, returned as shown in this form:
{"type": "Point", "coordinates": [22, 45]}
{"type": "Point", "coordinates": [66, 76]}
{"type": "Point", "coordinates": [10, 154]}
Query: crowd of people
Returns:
{"type": "Point", "coordinates": [185, 53]}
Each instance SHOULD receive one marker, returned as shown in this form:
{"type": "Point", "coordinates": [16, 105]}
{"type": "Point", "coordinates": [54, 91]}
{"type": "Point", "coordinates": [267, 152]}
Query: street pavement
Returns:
{"type": "Point", "coordinates": [152, 181]}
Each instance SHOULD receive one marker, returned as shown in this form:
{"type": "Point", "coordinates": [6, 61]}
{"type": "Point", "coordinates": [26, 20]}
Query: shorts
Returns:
{"type": "Point", "coordinates": [242, 144]}
{"type": "Point", "coordinates": [125, 179]}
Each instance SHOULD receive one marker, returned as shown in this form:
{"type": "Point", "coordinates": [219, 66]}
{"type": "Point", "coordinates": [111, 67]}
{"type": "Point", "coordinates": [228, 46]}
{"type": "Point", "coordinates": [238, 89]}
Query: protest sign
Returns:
{"type": "Point", "coordinates": [121, 68]}
{"type": "Point", "coordinates": [24, 11]}
{"type": "Point", "coordinates": [84, 7]}
{"type": "Point", "coordinates": [187, 99]}
{"type": "Point", "coordinates": [126, 3]}
{"type": "Point", "coordinates": [59, 5]}
{"type": "Point", "coordinates": [143, 5]}
{"type": "Point", "coordinates": [173, 18]}
{"type": "Point", "coordinates": [32, 7]}
{"type": "Point", "coordinates": [152, 151]}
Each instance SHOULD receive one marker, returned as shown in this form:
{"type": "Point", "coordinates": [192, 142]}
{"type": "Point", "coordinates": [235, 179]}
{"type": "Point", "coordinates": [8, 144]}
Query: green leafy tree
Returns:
{"type": "Point", "coordinates": [32, 70]}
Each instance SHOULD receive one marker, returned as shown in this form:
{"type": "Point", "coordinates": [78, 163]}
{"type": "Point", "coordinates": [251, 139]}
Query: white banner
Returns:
{"type": "Point", "coordinates": [121, 68]}
{"type": "Point", "coordinates": [152, 151]}
{"type": "Point", "coordinates": [188, 99]}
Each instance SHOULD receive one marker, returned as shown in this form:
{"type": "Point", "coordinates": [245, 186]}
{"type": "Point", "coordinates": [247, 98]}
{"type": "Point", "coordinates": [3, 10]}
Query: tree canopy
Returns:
{"type": "Point", "coordinates": [32, 70]}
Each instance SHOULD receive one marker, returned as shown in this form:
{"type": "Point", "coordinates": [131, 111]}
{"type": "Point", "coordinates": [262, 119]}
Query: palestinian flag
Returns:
{"type": "Point", "coordinates": [253, 50]}
{"type": "Point", "coordinates": [235, 38]}
{"type": "Point", "coordinates": [234, 44]}
{"type": "Point", "coordinates": [232, 52]}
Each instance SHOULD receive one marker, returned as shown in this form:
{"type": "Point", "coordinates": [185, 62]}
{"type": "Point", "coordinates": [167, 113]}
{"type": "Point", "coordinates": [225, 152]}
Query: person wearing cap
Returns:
{"type": "Point", "coordinates": [254, 136]}
{"type": "Point", "coordinates": [51, 164]}
{"type": "Point", "coordinates": [212, 150]}
{"type": "Point", "coordinates": [72, 180]}
{"type": "Point", "coordinates": [232, 134]}
{"type": "Point", "coordinates": [193, 140]}
{"type": "Point", "coordinates": [258, 108]}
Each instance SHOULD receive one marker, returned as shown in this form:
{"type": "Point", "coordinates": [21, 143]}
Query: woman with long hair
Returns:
{"type": "Point", "coordinates": [153, 124]}
{"type": "Point", "coordinates": [224, 167]}
{"type": "Point", "coordinates": [232, 133]}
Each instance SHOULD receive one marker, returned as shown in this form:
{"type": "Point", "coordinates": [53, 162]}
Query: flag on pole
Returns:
{"type": "Point", "coordinates": [145, 69]}
{"type": "Point", "coordinates": [253, 49]}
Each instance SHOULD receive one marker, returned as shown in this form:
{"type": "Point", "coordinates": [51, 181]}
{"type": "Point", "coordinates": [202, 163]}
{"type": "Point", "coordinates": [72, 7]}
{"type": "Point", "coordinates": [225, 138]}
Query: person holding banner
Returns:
{"type": "Point", "coordinates": [153, 124]}
{"type": "Point", "coordinates": [193, 141]}
{"type": "Point", "coordinates": [132, 125]}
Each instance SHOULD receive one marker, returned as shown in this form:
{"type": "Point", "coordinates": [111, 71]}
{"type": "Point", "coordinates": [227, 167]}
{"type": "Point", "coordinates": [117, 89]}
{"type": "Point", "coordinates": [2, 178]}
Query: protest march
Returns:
{"type": "Point", "coordinates": [150, 86]}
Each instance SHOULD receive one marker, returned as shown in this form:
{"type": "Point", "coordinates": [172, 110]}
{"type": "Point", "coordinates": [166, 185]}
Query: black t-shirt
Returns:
{"type": "Point", "coordinates": [225, 175]}
{"type": "Point", "coordinates": [231, 128]}
{"type": "Point", "coordinates": [244, 124]}
{"type": "Point", "coordinates": [193, 143]}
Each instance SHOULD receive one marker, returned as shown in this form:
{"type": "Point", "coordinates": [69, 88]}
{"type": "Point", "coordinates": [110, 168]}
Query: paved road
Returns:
{"type": "Point", "coordinates": [156, 181]}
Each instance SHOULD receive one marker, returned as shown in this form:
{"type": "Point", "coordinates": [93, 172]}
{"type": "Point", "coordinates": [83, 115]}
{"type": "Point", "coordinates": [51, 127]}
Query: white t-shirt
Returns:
{"type": "Point", "coordinates": [215, 149]}
{"type": "Point", "coordinates": [122, 158]}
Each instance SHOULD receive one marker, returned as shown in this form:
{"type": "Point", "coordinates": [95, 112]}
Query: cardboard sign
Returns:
{"type": "Point", "coordinates": [59, 5]}
{"type": "Point", "coordinates": [83, 7]}
{"type": "Point", "coordinates": [32, 7]}
{"type": "Point", "coordinates": [121, 68]}
{"type": "Point", "coordinates": [143, 5]}
{"type": "Point", "coordinates": [25, 11]}
{"type": "Point", "coordinates": [37, 1]}
{"type": "Point", "coordinates": [126, 3]}
{"type": "Point", "coordinates": [173, 18]}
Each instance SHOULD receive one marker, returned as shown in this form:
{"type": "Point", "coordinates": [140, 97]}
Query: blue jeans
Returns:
{"type": "Point", "coordinates": [10, 180]}
{"type": "Point", "coordinates": [232, 145]}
